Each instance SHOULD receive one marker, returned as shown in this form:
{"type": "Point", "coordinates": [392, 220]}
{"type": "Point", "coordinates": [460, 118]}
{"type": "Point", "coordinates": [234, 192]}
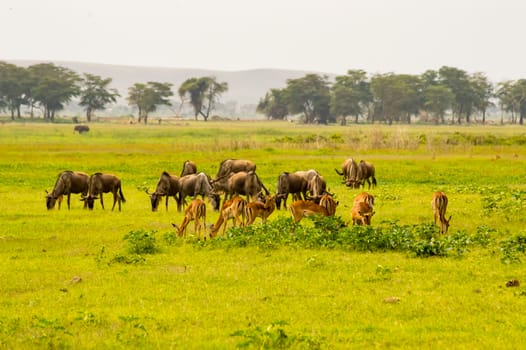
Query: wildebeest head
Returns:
{"type": "Point", "coordinates": [215, 200]}
{"type": "Point", "coordinates": [51, 200]}
{"type": "Point", "coordinates": [155, 199]}
{"type": "Point", "coordinates": [90, 200]}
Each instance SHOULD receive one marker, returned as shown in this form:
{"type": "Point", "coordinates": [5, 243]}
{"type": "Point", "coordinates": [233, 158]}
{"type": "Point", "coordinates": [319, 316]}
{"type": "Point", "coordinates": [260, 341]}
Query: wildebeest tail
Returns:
{"type": "Point", "coordinates": [374, 181]}
{"type": "Point", "coordinates": [121, 195]}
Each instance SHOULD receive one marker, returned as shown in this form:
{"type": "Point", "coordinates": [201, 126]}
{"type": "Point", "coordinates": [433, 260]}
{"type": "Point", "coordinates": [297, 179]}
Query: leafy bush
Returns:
{"type": "Point", "coordinates": [141, 242]}
{"type": "Point", "coordinates": [513, 248]}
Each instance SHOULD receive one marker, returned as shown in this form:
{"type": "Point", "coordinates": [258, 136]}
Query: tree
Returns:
{"type": "Point", "coordinates": [95, 95]}
{"type": "Point", "coordinates": [13, 87]}
{"type": "Point", "coordinates": [52, 87]}
{"type": "Point", "coordinates": [146, 97]}
{"type": "Point", "coordinates": [464, 97]}
{"type": "Point", "coordinates": [437, 100]}
{"type": "Point", "coordinates": [203, 93]}
{"type": "Point", "coordinates": [273, 105]}
{"type": "Point", "coordinates": [310, 96]}
{"type": "Point", "coordinates": [389, 95]}
{"type": "Point", "coordinates": [351, 95]}
{"type": "Point", "coordinates": [483, 92]}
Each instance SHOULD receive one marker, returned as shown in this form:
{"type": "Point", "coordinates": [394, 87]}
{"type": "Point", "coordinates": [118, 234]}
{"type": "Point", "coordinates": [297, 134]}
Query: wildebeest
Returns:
{"type": "Point", "coordinates": [290, 183]}
{"type": "Point", "coordinates": [242, 183]}
{"type": "Point", "coordinates": [229, 166]}
{"type": "Point", "coordinates": [198, 184]}
{"type": "Point", "coordinates": [365, 171]}
{"type": "Point", "coordinates": [168, 185]}
{"type": "Point", "coordinates": [349, 171]}
{"type": "Point", "coordinates": [81, 128]}
{"type": "Point", "coordinates": [68, 182]}
{"type": "Point", "coordinates": [317, 186]}
{"type": "Point", "coordinates": [100, 183]}
{"type": "Point", "coordinates": [189, 167]}
{"type": "Point", "coordinates": [439, 205]}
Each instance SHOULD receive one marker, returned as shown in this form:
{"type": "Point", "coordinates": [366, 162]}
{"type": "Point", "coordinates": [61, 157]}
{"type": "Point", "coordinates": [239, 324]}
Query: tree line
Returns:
{"type": "Point", "coordinates": [393, 97]}
{"type": "Point", "coordinates": [434, 96]}
{"type": "Point", "coordinates": [49, 88]}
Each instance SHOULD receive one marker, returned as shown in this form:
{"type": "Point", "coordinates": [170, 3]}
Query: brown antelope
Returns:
{"type": "Point", "coordinates": [195, 211]}
{"type": "Point", "coordinates": [259, 209]}
{"type": "Point", "coordinates": [365, 197]}
{"type": "Point", "coordinates": [361, 213]}
{"type": "Point", "coordinates": [233, 208]}
{"type": "Point", "coordinates": [302, 208]}
{"type": "Point", "coordinates": [327, 201]}
{"type": "Point", "coordinates": [439, 205]}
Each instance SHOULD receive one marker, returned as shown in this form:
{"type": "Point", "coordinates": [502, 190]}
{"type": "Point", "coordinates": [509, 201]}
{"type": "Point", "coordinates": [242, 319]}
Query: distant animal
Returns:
{"type": "Point", "coordinates": [81, 128]}
{"type": "Point", "coordinates": [303, 208]}
{"type": "Point", "coordinates": [439, 205]}
{"type": "Point", "coordinates": [168, 186]}
{"type": "Point", "coordinates": [260, 209]}
{"type": "Point", "coordinates": [196, 211]}
{"type": "Point", "coordinates": [189, 167]}
{"type": "Point", "coordinates": [198, 184]}
{"type": "Point", "coordinates": [366, 171]}
{"type": "Point", "coordinates": [229, 166]}
{"type": "Point", "coordinates": [68, 182]}
{"type": "Point", "coordinates": [234, 208]}
{"type": "Point", "coordinates": [100, 183]}
{"type": "Point", "coordinates": [362, 213]}
{"type": "Point", "coordinates": [349, 172]}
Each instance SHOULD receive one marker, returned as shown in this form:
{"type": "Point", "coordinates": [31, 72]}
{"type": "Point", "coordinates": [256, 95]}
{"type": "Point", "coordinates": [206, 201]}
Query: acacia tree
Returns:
{"type": "Point", "coordinates": [350, 95]}
{"type": "Point", "coordinates": [146, 97]}
{"type": "Point", "coordinates": [13, 88]}
{"type": "Point", "coordinates": [95, 95]}
{"type": "Point", "coordinates": [437, 100]}
{"type": "Point", "coordinates": [273, 105]}
{"type": "Point", "coordinates": [203, 93]}
{"type": "Point", "coordinates": [52, 87]}
{"type": "Point", "coordinates": [309, 96]}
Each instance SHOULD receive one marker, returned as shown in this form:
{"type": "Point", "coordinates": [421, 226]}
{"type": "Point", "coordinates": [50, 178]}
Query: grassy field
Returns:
{"type": "Point", "coordinates": [77, 279]}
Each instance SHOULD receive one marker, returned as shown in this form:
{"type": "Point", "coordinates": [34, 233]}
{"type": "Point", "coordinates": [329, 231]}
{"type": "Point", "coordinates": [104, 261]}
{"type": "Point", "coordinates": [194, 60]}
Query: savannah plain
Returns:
{"type": "Point", "coordinates": [108, 279]}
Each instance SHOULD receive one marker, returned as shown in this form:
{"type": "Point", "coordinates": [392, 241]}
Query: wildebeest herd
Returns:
{"type": "Point", "coordinates": [234, 179]}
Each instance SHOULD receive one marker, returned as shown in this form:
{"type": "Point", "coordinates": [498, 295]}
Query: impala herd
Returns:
{"type": "Point", "coordinates": [234, 179]}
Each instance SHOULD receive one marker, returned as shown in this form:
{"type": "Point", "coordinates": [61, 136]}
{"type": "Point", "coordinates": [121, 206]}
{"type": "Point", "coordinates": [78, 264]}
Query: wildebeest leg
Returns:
{"type": "Point", "coordinates": [69, 196]}
{"type": "Point", "coordinates": [101, 201]}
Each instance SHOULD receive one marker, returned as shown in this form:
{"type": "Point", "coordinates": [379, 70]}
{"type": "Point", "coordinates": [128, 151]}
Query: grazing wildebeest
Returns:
{"type": "Point", "coordinates": [229, 166]}
{"type": "Point", "coordinates": [100, 183]}
{"type": "Point", "coordinates": [198, 184]}
{"type": "Point", "coordinates": [365, 171]}
{"type": "Point", "coordinates": [68, 182]}
{"type": "Point", "coordinates": [168, 185]}
{"type": "Point", "coordinates": [317, 186]}
{"type": "Point", "coordinates": [439, 205]}
{"type": "Point", "coordinates": [81, 128]}
{"type": "Point", "coordinates": [349, 171]}
{"type": "Point", "coordinates": [189, 167]}
{"type": "Point", "coordinates": [290, 183]}
{"type": "Point", "coordinates": [243, 183]}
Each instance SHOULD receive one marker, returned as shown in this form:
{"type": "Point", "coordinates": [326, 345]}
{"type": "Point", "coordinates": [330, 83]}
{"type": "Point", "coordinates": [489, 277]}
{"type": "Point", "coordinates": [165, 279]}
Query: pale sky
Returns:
{"type": "Point", "coordinates": [329, 36]}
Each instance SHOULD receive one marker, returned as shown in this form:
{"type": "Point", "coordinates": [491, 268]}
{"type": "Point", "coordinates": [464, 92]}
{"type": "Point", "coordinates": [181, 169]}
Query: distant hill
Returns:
{"type": "Point", "coordinates": [244, 87]}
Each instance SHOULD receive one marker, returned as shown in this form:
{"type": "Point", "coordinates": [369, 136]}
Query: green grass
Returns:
{"type": "Point", "coordinates": [229, 293]}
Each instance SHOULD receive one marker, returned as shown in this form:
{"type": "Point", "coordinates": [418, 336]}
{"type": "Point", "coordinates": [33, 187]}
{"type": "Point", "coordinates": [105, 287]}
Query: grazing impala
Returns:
{"type": "Point", "coordinates": [302, 208]}
{"type": "Point", "coordinates": [259, 209]}
{"type": "Point", "coordinates": [195, 211]}
{"type": "Point", "coordinates": [327, 201]}
{"type": "Point", "coordinates": [365, 197]}
{"type": "Point", "coordinates": [361, 213]}
{"type": "Point", "coordinates": [439, 205]}
{"type": "Point", "coordinates": [231, 209]}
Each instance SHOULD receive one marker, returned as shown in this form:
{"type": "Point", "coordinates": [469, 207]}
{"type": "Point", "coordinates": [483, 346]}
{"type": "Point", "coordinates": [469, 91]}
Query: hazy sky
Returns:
{"type": "Point", "coordinates": [332, 36]}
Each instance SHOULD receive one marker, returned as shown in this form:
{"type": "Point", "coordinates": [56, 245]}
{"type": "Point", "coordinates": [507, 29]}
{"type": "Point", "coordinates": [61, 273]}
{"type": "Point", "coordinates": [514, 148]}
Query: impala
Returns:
{"type": "Point", "coordinates": [259, 209]}
{"type": "Point", "coordinates": [233, 208]}
{"type": "Point", "coordinates": [439, 205]}
{"type": "Point", "coordinates": [195, 211]}
{"type": "Point", "coordinates": [302, 208]}
{"type": "Point", "coordinates": [361, 213]}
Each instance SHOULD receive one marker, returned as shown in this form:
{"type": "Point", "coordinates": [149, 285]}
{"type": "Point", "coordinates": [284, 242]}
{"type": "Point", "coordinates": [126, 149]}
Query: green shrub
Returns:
{"type": "Point", "coordinates": [141, 242]}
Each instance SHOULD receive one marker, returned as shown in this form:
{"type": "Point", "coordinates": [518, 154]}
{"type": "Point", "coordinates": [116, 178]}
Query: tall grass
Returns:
{"type": "Point", "coordinates": [102, 279]}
